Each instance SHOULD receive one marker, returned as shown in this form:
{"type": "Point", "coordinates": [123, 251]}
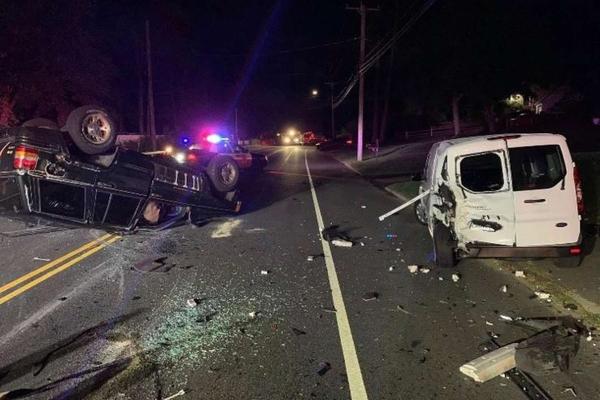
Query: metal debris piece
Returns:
{"type": "Point", "coordinates": [400, 308]}
{"type": "Point", "coordinates": [455, 278]}
{"type": "Point", "coordinates": [488, 323]}
{"type": "Point", "coordinates": [264, 272]}
{"type": "Point", "coordinates": [570, 390]}
{"type": "Point", "coordinates": [310, 258]}
{"type": "Point", "coordinates": [505, 317]}
{"type": "Point", "coordinates": [330, 310]}
{"type": "Point", "coordinates": [424, 270]}
{"type": "Point", "coordinates": [413, 269]}
{"type": "Point", "coordinates": [323, 368]}
{"type": "Point", "coordinates": [370, 296]}
{"type": "Point", "coordinates": [520, 274]}
{"type": "Point", "coordinates": [504, 288]}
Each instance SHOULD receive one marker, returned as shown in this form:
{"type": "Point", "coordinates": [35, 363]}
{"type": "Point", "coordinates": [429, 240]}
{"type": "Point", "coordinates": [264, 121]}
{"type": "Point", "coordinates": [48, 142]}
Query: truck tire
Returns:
{"type": "Point", "coordinates": [91, 129]}
{"type": "Point", "coordinates": [420, 213]}
{"type": "Point", "coordinates": [443, 246]}
{"type": "Point", "coordinates": [41, 123]}
{"type": "Point", "coordinates": [223, 173]}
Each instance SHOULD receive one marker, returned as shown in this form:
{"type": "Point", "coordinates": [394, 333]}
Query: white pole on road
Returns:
{"type": "Point", "coordinates": [403, 206]}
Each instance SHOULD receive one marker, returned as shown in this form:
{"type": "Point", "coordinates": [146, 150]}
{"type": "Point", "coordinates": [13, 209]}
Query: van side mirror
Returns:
{"type": "Point", "coordinates": [417, 177]}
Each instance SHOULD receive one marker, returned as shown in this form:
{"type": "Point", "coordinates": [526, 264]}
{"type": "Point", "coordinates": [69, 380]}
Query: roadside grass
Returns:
{"type": "Point", "coordinates": [589, 169]}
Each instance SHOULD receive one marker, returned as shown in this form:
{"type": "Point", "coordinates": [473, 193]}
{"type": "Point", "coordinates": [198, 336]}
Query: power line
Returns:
{"type": "Point", "coordinates": [380, 50]}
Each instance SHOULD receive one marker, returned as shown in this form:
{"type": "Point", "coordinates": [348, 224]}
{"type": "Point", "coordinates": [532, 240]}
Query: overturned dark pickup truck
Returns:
{"type": "Point", "coordinates": [78, 174]}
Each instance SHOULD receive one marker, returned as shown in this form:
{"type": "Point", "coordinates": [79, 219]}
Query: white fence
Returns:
{"type": "Point", "coordinates": [465, 130]}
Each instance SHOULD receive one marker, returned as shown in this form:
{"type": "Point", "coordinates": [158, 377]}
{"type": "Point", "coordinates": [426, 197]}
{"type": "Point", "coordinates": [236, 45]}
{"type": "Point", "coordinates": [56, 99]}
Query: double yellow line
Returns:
{"type": "Point", "coordinates": [54, 267]}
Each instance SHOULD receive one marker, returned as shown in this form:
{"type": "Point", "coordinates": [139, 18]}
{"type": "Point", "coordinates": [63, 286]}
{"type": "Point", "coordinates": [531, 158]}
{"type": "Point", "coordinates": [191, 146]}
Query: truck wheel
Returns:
{"type": "Point", "coordinates": [41, 123]}
{"type": "Point", "coordinates": [420, 213]}
{"type": "Point", "coordinates": [567, 262]}
{"type": "Point", "coordinates": [91, 129]}
{"type": "Point", "coordinates": [223, 173]}
{"type": "Point", "coordinates": [443, 246]}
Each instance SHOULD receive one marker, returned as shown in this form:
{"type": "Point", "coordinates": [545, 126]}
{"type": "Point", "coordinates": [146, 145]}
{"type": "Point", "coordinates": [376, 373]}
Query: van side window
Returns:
{"type": "Point", "coordinates": [482, 172]}
{"type": "Point", "coordinates": [536, 167]}
{"type": "Point", "coordinates": [445, 169]}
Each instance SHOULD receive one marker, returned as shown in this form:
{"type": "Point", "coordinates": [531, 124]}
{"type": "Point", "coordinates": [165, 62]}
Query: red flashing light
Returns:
{"type": "Point", "coordinates": [25, 158]}
{"type": "Point", "coordinates": [575, 251]}
{"type": "Point", "coordinates": [192, 157]}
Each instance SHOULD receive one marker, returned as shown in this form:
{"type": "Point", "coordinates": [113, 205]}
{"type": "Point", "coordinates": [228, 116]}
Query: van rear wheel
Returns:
{"type": "Point", "coordinates": [443, 246]}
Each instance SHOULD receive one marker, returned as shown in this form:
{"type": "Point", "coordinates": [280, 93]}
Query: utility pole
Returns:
{"type": "Point", "coordinates": [236, 138]}
{"type": "Point", "coordinates": [151, 120]}
{"type": "Point", "coordinates": [362, 10]}
{"type": "Point", "coordinates": [331, 85]}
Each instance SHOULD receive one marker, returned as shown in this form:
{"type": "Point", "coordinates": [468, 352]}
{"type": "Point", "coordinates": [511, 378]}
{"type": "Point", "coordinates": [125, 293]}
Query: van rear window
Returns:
{"type": "Point", "coordinates": [536, 167]}
{"type": "Point", "coordinates": [482, 172]}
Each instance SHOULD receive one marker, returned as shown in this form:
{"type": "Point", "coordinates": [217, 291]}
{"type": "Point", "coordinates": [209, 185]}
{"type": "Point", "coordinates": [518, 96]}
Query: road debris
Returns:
{"type": "Point", "coordinates": [505, 317]}
{"type": "Point", "coordinates": [398, 249]}
{"type": "Point", "coordinates": [424, 270]}
{"type": "Point", "coordinates": [455, 278]}
{"type": "Point", "coordinates": [391, 268]}
{"type": "Point", "coordinates": [264, 272]}
{"type": "Point", "coordinates": [492, 364]}
{"type": "Point", "coordinates": [403, 206]}
{"type": "Point", "coordinates": [323, 368]}
{"type": "Point", "coordinates": [520, 274]}
{"type": "Point", "coordinates": [191, 303]}
{"type": "Point", "coordinates": [253, 314]}
{"type": "Point", "coordinates": [440, 278]}
{"type": "Point", "coordinates": [180, 393]}
{"type": "Point", "coordinates": [341, 243]}
{"type": "Point", "coordinates": [330, 310]}
{"type": "Point", "coordinates": [504, 288]}
{"type": "Point", "coordinates": [310, 258]}
{"type": "Point", "coordinates": [363, 206]}
{"type": "Point", "coordinates": [413, 269]}
{"type": "Point", "coordinates": [488, 323]}
{"type": "Point", "coordinates": [570, 390]}
{"type": "Point", "coordinates": [400, 308]}
{"type": "Point", "coordinates": [298, 332]}
{"type": "Point", "coordinates": [543, 295]}
{"type": "Point", "coordinates": [40, 259]}
{"type": "Point", "coordinates": [362, 244]}
{"type": "Point", "coordinates": [370, 296]}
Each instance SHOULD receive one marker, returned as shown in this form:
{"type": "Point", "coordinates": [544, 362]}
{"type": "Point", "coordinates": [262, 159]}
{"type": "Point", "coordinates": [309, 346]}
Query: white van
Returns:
{"type": "Point", "coordinates": [512, 195]}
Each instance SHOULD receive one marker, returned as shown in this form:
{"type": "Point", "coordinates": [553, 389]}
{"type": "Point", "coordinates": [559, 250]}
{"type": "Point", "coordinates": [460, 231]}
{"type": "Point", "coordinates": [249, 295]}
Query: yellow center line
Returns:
{"type": "Point", "coordinates": [55, 271]}
{"type": "Point", "coordinates": [53, 263]}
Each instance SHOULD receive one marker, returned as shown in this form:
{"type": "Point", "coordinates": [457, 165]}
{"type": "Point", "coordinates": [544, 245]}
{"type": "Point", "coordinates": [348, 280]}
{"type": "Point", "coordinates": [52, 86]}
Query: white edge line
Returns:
{"type": "Point", "coordinates": [355, 378]}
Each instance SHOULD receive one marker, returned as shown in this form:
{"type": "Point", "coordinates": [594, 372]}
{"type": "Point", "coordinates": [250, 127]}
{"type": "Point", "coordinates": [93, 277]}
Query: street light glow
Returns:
{"type": "Point", "coordinates": [315, 92]}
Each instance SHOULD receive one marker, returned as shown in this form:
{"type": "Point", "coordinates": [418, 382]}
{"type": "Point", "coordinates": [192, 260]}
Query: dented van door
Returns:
{"type": "Point", "coordinates": [544, 192]}
{"type": "Point", "coordinates": [485, 204]}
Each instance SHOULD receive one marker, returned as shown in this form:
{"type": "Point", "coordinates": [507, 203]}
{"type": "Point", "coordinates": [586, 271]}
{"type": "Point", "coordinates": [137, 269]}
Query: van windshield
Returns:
{"type": "Point", "coordinates": [536, 167]}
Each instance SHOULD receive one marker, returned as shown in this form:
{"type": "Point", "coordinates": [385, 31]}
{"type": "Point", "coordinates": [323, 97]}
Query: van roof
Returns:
{"type": "Point", "coordinates": [472, 140]}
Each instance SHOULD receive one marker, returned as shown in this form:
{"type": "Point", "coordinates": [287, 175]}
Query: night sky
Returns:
{"type": "Point", "coordinates": [264, 57]}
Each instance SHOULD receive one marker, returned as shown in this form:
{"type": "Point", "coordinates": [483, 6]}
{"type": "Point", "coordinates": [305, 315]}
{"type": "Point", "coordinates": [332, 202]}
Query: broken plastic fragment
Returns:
{"type": "Point", "coordinates": [542, 295]}
{"type": "Point", "coordinates": [323, 368]}
{"type": "Point", "coordinates": [504, 288]}
{"type": "Point", "coordinates": [310, 258]}
{"type": "Point", "coordinates": [424, 270]}
{"type": "Point", "coordinates": [264, 272]}
{"type": "Point", "coordinates": [191, 303]}
{"type": "Point", "coordinates": [440, 278]}
{"type": "Point", "coordinates": [505, 317]}
{"type": "Point", "coordinates": [341, 243]}
{"type": "Point", "coordinates": [180, 393]}
{"type": "Point", "coordinates": [370, 296]}
{"type": "Point", "coordinates": [520, 274]}
{"type": "Point", "coordinates": [413, 269]}
{"type": "Point", "coordinates": [391, 268]}
{"type": "Point", "coordinates": [253, 314]}
{"type": "Point", "coordinates": [455, 277]}
{"type": "Point", "coordinates": [363, 206]}
{"type": "Point", "coordinates": [488, 323]}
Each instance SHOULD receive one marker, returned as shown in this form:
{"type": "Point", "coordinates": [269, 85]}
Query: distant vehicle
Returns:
{"type": "Point", "coordinates": [513, 195]}
{"type": "Point", "coordinates": [335, 144]}
{"type": "Point", "coordinates": [291, 137]}
{"type": "Point", "coordinates": [311, 139]}
{"type": "Point", "coordinates": [78, 174]}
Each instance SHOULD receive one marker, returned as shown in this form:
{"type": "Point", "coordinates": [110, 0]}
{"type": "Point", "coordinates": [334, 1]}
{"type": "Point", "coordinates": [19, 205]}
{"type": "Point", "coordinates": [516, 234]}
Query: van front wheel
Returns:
{"type": "Point", "coordinates": [443, 246]}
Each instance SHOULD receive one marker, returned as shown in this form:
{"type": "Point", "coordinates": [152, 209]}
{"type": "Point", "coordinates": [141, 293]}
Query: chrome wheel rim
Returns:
{"type": "Point", "coordinates": [228, 173]}
{"type": "Point", "coordinates": [96, 128]}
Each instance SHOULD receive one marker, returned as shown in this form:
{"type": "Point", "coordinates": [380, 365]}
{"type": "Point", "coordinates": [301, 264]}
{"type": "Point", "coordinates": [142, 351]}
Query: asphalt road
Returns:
{"type": "Point", "coordinates": [111, 320]}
